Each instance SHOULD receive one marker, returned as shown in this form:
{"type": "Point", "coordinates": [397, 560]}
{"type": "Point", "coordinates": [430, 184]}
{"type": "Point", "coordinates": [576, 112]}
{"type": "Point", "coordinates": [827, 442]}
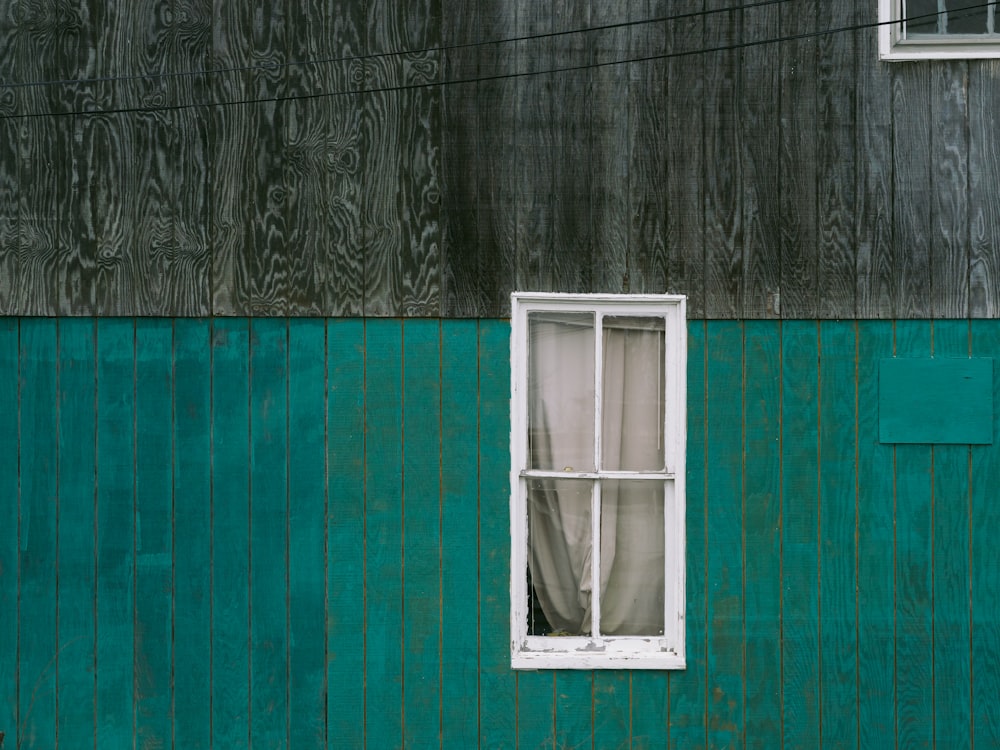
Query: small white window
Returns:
{"type": "Point", "coordinates": [598, 432]}
{"type": "Point", "coordinates": [938, 29]}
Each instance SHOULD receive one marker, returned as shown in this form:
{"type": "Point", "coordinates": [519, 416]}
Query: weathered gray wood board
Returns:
{"type": "Point", "coordinates": [416, 159]}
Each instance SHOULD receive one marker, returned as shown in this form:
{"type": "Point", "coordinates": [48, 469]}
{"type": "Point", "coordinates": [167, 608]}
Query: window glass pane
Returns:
{"type": "Point", "coordinates": [913, 9]}
{"type": "Point", "coordinates": [966, 17]}
{"type": "Point", "coordinates": [632, 557]}
{"type": "Point", "coordinates": [634, 386]}
{"type": "Point", "coordinates": [560, 546]}
{"type": "Point", "coordinates": [561, 391]}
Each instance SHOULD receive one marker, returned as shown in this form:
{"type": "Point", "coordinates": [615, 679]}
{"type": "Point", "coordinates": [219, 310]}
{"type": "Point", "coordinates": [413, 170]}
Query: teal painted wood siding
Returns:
{"type": "Point", "coordinates": [294, 533]}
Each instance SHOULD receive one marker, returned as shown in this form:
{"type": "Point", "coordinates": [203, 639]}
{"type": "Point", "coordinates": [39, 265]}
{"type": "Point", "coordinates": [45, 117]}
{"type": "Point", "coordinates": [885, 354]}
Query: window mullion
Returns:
{"type": "Point", "coordinates": [595, 596]}
{"type": "Point", "coordinates": [595, 513]}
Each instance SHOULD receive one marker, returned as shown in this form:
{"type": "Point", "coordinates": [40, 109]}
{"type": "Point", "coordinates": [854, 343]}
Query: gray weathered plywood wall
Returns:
{"type": "Point", "coordinates": [193, 157]}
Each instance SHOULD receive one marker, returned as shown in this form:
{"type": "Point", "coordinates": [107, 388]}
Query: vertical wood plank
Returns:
{"type": "Point", "coordinates": [648, 173]}
{"type": "Point", "coordinates": [949, 154]}
{"type": "Point", "coordinates": [230, 529]}
{"type": "Point", "coordinates": [721, 146]}
{"type": "Point", "coordinates": [761, 174]}
{"type": "Point", "coordinates": [536, 712]}
{"type": "Point", "coordinates": [762, 532]}
{"type": "Point", "coordinates": [610, 135]}
{"type": "Point", "coordinates": [799, 534]}
{"type": "Point", "coordinates": [838, 622]}
{"type": "Point", "coordinates": [496, 681]}
{"type": "Point", "coordinates": [911, 269]}
{"type": "Point", "coordinates": [77, 420]}
{"type": "Point", "coordinates": [574, 727]}
{"type": "Point", "coordinates": [421, 498]}
{"type": "Point", "coordinates": [381, 132]}
{"type": "Point", "coordinates": [194, 571]}
{"type": "Point", "coordinates": [10, 129]}
{"type": "Point", "coordinates": [153, 532]}
{"type": "Point", "coordinates": [797, 238]}
{"type": "Point", "coordinates": [914, 572]}
{"type": "Point", "coordinates": [345, 566]}
{"type": "Point", "coordinates": [269, 532]}
{"type": "Point", "coordinates": [876, 575]}
{"type": "Point", "coordinates": [307, 478]}
{"type": "Point", "coordinates": [836, 165]}
{"type": "Point", "coordinates": [687, 690]}
{"type": "Point", "coordinates": [266, 214]}
{"type": "Point", "coordinates": [724, 555]}
{"type": "Point", "coordinates": [984, 175]}
{"type": "Point", "coordinates": [459, 535]}
{"type": "Point", "coordinates": [612, 708]}
{"type": "Point", "coordinates": [685, 178]}
{"type": "Point", "coordinates": [573, 103]}
{"type": "Point", "coordinates": [497, 143]}
{"type": "Point", "coordinates": [115, 530]}
{"type": "Point", "coordinates": [873, 189]}
{"type": "Point", "coordinates": [420, 167]}
{"type": "Point", "coordinates": [536, 266]}
{"type": "Point", "coordinates": [37, 658]}
{"type": "Point", "coordinates": [191, 292]}
{"type": "Point", "coordinates": [985, 562]}
{"type": "Point", "coordinates": [383, 533]}
{"type": "Point", "coordinates": [9, 527]}
{"type": "Point", "coordinates": [953, 666]}
{"type": "Point", "coordinates": [461, 283]}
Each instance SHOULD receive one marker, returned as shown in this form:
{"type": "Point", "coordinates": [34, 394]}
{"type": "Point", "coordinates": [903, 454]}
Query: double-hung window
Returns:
{"type": "Point", "coordinates": [597, 481]}
{"type": "Point", "coordinates": [938, 29]}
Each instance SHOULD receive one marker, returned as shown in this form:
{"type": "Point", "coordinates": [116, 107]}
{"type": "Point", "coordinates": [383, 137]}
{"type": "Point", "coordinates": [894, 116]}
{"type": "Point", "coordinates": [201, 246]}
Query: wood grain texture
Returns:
{"type": "Point", "coordinates": [797, 239]}
{"type": "Point", "coordinates": [383, 534]}
{"type": "Point", "coordinates": [154, 551]}
{"type": "Point", "coordinates": [949, 154]}
{"type": "Point", "coordinates": [876, 541]}
{"type": "Point", "coordinates": [836, 166]}
{"type": "Point", "coordinates": [190, 267]}
{"type": "Point", "coordinates": [984, 174]}
{"type": "Point", "coordinates": [115, 531]}
{"type": "Point", "coordinates": [985, 564]}
{"type": "Point", "coordinates": [230, 531]}
{"type": "Point", "coordinates": [837, 535]}
{"type": "Point", "coordinates": [611, 133]}
{"type": "Point", "coordinates": [952, 493]}
{"type": "Point", "coordinates": [307, 561]}
{"type": "Point", "coordinates": [497, 156]}
{"type": "Point", "coordinates": [721, 145]}
{"type": "Point", "coordinates": [685, 177]}
{"type": "Point", "coordinates": [532, 157]}
{"type": "Point", "coordinates": [461, 283]}
{"type": "Point", "coordinates": [421, 499]}
{"type": "Point", "coordinates": [269, 532]}
{"type": "Point", "coordinates": [37, 615]}
{"type": "Point", "coordinates": [762, 534]}
{"type": "Point", "coordinates": [9, 527]}
{"type": "Point", "coordinates": [345, 529]}
{"type": "Point", "coordinates": [911, 192]}
{"type": "Point", "coordinates": [76, 564]}
{"type": "Point", "coordinates": [800, 534]}
{"type": "Point", "coordinates": [762, 98]}
{"type": "Point", "coordinates": [9, 207]}
{"type": "Point", "coordinates": [725, 583]}
{"type": "Point", "coordinates": [914, 570]}
{"type": "Point", "coordinates": [460, 593]}
{"type": "Point", "coordinates": [874, 193]}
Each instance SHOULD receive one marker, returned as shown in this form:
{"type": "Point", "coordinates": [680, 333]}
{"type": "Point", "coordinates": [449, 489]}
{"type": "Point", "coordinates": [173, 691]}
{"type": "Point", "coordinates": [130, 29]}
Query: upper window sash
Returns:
{"type": "Point", "coordinates": [896, 43]}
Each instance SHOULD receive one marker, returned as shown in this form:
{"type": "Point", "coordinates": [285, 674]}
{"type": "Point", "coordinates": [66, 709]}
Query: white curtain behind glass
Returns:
{"type": "Point", "coordinates": [561, 360]}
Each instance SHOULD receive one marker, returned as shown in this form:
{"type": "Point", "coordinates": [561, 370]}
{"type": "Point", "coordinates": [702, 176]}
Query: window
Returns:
{"type": "Point", "coordinates": [938, 29]}
{"type": "Point", "coordinates": [597, 481]}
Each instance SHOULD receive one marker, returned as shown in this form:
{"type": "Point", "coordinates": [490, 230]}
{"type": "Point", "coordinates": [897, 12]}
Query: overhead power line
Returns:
{"type": "Point", "coordinates": [474, 79]}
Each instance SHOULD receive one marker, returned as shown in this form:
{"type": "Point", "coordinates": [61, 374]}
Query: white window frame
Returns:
{"type": "Point", "coordinates": [603, 652]}
{"type": "Point", "coordinates": [893, 45]}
